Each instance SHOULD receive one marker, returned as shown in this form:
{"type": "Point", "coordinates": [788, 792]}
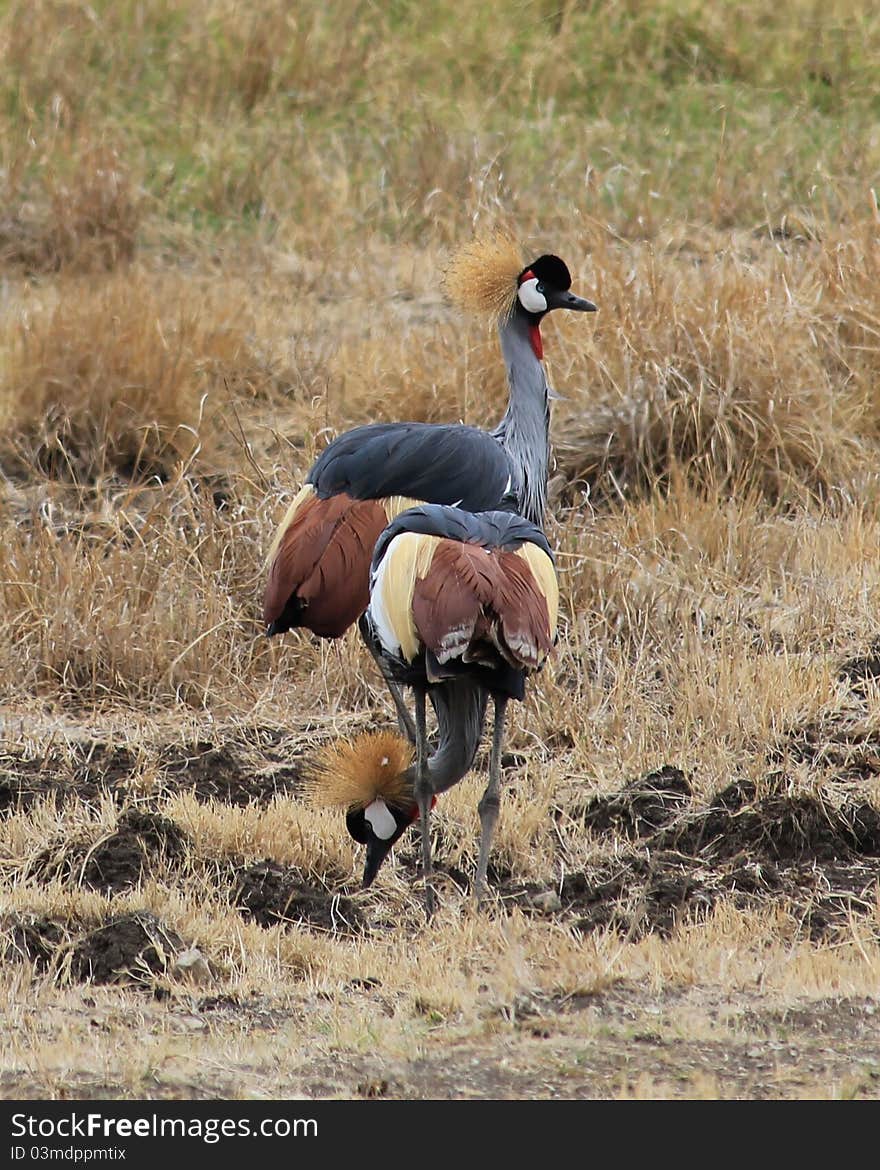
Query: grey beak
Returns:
{"type": "Point", "coordinates": [578, 304]}
{"type": "Point", "coordinates": [377, 851]}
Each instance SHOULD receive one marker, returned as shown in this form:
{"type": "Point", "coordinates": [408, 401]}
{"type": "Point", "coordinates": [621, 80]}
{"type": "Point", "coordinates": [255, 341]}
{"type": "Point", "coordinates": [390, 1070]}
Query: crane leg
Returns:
{"type": "Point", "coordinates": [404, 719]}
{"type": "Point", "coordinates": [424, 795]}
{"type": "Point", "coordinates": [491, 800]}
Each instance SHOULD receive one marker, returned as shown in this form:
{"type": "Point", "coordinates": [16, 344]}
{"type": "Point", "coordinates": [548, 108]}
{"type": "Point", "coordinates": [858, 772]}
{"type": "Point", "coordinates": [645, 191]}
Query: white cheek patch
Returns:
{"type": "Point", "coordinates": [380, 820]}
{"type": "Point", "coordinates": [529, 297]}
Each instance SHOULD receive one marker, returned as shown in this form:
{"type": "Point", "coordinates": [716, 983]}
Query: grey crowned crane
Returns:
{"type": "Point", "coordinates": [462, 608]}
{"type": "Point", "coordinates": [318, 562]}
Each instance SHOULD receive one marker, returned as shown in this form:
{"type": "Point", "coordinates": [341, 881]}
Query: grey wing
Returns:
{"type": "Point", "coordinates": [430, 520]}
{"type": "Point", "coordinates": [437, 463]}
{"type": "Point", "coordinates": [510, 530]}
{"type": "Point", "coordinates": [492, 529]}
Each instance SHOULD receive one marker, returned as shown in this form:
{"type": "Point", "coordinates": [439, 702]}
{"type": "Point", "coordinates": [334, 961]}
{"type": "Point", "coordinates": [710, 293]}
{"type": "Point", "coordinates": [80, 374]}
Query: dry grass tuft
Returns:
{"type": "Point", "coordinates": [433, 373]}
{"type": "Point", "coordinates": [126, 604]}
{"type": "Point", "coordinates": [128, 377]}
{"type": "Point", "coordinates": [738, 373]}
{"type": "Point", "coordinates": [80, 215]}
{"type": "Point", "coordinates": [107, 381]}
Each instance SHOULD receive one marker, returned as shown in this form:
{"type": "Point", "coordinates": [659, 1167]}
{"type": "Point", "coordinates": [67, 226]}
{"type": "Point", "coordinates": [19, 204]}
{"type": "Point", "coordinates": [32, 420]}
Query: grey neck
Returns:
{"type": "Point", "coordinates": [524, 431]}
{"type": "Point", "coordinates": [460, 707]}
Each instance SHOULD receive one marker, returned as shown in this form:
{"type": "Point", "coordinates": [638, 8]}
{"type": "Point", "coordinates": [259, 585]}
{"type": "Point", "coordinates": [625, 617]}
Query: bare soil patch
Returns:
{"type": "Point", "coordinates": [116, 861]}
{"type": "Point", "coordinates": [247, 772]}
{"type": "Point", "coordinates": [269, 893]}
{"type": "Point", "coordinates": [236, 774]}
{"type": "Point", "coordinates": [818, 863]}
{"type": "Point", "coordinates": [676, 858]}
{"type": "Point", "coordinates": [131, 947]}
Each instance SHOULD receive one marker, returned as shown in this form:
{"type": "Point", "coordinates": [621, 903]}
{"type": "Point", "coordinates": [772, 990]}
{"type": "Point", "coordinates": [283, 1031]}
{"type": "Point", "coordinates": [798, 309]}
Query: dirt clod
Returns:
{"type": "Point", "coordinates": [641, 805]}
{"type": "Point", "coordinates": [132, 947]}
{"type": "Point", "coordinates": [270, 893]}
{"type": "Point", "coordinates": [222, 773]}
{"type": "Point", "coordinates": [117, 861]}
{"type": "Point", "coordinates": [30, 937]}
{"type": "Point", "coordinates": [819, 861]}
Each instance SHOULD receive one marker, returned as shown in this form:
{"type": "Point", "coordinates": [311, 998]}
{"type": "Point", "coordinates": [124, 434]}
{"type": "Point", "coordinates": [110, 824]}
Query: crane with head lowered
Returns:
{"type": "Point", "coordinates": [462, 608]}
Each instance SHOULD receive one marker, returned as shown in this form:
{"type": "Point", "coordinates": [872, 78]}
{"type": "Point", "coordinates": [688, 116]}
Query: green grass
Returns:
{"type": "Point", "coordinates": [225, 115]}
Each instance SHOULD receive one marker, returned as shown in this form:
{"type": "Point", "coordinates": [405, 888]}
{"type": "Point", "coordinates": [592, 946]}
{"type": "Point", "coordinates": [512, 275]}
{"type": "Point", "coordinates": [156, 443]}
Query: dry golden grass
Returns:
{"type": "Point", "coordinates": [223, 240]}
{"type": "Point", "coordinates": [742, 362]}
{"type": "Point", "coordinates": [86, 217]}
{"type": "Point", "coordinates": [129, 377]}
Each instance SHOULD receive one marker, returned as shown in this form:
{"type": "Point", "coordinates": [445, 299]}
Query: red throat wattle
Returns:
{"type": "Point", "coordinates": [414, 811]}
{"type": "Point", "coordinates": [535, 339]}
{"type": "Point", "coordinates": [534, 330]}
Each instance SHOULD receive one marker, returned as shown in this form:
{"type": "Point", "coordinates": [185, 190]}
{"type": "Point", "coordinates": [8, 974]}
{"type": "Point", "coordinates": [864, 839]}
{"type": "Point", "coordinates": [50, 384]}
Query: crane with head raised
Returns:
{"type": "Point", "coordinates": [462, 608]}
{"type": "Point", "coordinates": [318, 562]}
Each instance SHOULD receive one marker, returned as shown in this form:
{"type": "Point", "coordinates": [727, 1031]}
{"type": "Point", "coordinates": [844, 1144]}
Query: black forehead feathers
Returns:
{"type": "Point", "coordinates": [550, 270]}
{"type": "Point", "coordinates": [356, 823]}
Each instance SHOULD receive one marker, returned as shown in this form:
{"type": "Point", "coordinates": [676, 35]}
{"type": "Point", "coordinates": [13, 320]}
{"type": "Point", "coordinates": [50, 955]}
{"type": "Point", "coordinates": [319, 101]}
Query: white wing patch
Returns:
{"type": "Point", "coordinates": [454, 642]}
{"type": "Point", "coordinates": [381, 620]}
{"type": "Point", "coordinates": [407, 559]}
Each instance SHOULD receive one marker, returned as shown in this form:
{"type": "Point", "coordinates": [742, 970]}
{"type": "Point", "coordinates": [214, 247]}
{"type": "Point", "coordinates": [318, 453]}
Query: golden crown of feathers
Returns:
{"type": "Point", "coordinates": [353, 773]}
{"type": "Point", "coordinates": [481, 276]}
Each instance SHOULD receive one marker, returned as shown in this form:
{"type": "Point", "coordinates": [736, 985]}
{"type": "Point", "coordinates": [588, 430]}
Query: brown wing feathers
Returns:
{"type": "Point", "coordinates": [472, 597]}
{"type": "Point", "coordinates": [524, 634]}
{"type": "Point", "coordinates": [323, 556]}
{"type": "Point", "coordinates": [447, 601]}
